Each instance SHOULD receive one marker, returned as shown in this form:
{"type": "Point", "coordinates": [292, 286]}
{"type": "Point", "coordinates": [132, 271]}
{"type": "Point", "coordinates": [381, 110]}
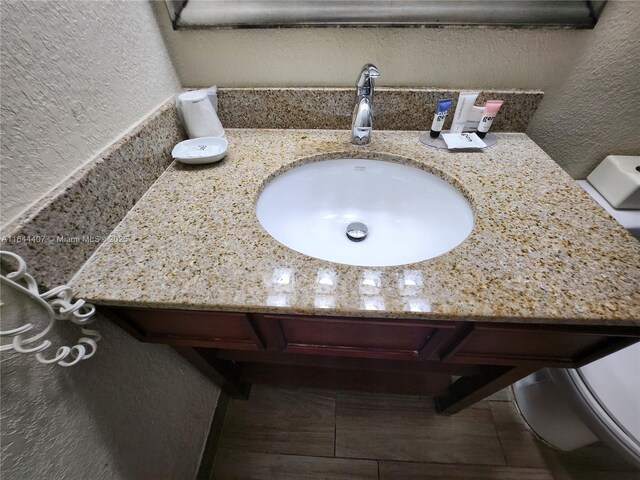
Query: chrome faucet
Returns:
{"type": "Point", "coordinates": [362, 122]}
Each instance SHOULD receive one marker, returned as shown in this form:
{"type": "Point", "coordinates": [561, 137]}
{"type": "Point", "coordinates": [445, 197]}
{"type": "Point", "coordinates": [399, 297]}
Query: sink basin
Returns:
{"type": "Point", "coordinates": [408, 214]}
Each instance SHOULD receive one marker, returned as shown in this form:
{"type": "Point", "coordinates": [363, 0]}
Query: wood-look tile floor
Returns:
{"type": "Point", "coordinates": [316, 434]}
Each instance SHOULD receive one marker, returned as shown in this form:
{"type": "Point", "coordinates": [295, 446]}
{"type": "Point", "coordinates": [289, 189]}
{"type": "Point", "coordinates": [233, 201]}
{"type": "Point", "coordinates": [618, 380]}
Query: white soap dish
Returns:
{"type": "Point", "coordinates": [200, 150]}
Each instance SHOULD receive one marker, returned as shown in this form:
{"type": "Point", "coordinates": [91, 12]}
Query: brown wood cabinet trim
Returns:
{"type": "Point", "coordinates": [351, 351]}
{"type": "Point", "coordinates": [178, 311]}
{"type": "Point", "coordinates": [510, 360]}
{"type": "Point", "coordinates": [434, 343]}
{"type": "Point", "coordinates": [255, 334]}
{"type": "Point", "coordinates": [462, 334]}
{"type": "Point", "coordinates": [272, 332]}
{"type": "Point", "coordinates": [350, 363]}
{"type": "Point", "coordinates": [366, 320]}
{"type": "Point", "coordinates": [606, 330]}
{"type": "Point", "coordinates": [437, 347]}
{"type": "Point", "coordinates": [609, 330]}
{"type": "Point", "coordinates": [120, 316]}
{"type": "Point", "coordinates": [604, 348]}
{"type": "Point", "coordinates": [181, 341]}
{"type": "Point", "coordinates": [466, 391]}
{"type": "Point", "coordinates": [424, 351]}
{"type": "Point", "coordinates": [451, 352]}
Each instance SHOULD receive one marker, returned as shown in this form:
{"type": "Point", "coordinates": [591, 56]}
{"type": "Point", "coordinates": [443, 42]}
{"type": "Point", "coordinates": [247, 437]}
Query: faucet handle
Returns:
{"type": "Point", "coordinates": [365, 82]}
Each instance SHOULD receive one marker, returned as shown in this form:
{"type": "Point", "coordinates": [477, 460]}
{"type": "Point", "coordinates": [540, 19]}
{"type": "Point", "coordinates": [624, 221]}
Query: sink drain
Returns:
{"type": "Point", "coordinates": [357, 232]}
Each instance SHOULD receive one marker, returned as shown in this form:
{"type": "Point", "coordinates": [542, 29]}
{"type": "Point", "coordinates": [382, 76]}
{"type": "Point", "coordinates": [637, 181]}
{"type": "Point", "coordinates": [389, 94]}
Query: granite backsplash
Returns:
{"type": "Point", "coordinates": [331, 108]}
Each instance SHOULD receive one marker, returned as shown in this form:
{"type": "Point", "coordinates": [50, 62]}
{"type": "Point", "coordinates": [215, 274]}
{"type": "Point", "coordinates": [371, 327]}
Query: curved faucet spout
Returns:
{"type": "Point", "coordinates": [365, 80]}
{"type": "Point", "coordinates": [362, 122]}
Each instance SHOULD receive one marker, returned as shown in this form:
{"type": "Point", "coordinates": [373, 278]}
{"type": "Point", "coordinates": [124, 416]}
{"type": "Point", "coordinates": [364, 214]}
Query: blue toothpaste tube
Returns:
{"type": "Point", "coordinates": [438, 120]}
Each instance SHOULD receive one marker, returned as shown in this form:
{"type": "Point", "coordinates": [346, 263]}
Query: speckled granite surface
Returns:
{"type": "Point", "coordinates": [64, 228]}
{"type": "Point", "coordinates": [541, 251]}
{"type": "Point", "coordinates": [331, 108]}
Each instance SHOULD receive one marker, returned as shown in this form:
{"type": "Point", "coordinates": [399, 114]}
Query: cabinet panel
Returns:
{"type": "Point", "coordinates": [524, 345]}
{"type": "Point", "coordinates": [372, 338]}
{"type": "Point", "coordinates": [193, 328]}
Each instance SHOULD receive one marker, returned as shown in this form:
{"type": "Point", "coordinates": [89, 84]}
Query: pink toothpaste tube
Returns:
{"type": "Point", "coordinates": [490, 111]}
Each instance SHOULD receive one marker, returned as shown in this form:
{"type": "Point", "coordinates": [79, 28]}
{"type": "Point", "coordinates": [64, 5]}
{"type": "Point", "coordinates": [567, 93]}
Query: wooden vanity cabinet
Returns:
{"type": "Point", "coordinates": [376, 354]}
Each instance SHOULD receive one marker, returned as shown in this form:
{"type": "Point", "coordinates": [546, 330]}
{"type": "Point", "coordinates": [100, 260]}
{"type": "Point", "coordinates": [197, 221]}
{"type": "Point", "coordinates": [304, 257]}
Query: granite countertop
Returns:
{"type": "Point", "coordinates": [541, 251]}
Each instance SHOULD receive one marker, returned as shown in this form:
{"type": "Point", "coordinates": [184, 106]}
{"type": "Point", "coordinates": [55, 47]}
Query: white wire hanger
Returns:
{"type": "Point", "coordinates": [59, 304]}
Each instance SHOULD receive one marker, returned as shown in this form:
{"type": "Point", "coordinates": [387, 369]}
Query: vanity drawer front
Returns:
{"type": "Point", "coordinates": [526, 345]}
{"type": "Point", "coordinates": [188, 328]}
{"type": "Point", "coordinates": [372, 338]}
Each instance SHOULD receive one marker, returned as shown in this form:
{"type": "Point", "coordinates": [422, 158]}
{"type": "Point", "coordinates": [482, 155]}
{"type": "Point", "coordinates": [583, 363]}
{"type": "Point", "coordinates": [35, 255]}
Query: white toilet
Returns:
{"type": "Point", "coordinates": [571, 408]}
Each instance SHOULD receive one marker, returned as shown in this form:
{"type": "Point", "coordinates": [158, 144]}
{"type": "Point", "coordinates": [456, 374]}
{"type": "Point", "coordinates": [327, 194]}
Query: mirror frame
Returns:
{"type": "Point", "coordinates": [230, 14]}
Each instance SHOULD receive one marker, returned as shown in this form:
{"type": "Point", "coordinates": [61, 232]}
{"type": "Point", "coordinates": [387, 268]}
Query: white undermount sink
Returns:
{"type": "Point", "coordinates": [409, 215]}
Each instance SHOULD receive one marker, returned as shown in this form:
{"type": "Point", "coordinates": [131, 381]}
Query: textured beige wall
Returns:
{"type": "Point", "coordinates": [577, 69]}
{"type": "Point", "coordinates": [593, 109]}
{"type": "Point", "coordinates": [76, 75]}
{"type": "Point", "coordinates": [133, 411]}
{"type": "Point", "coordinates": [452, 57]}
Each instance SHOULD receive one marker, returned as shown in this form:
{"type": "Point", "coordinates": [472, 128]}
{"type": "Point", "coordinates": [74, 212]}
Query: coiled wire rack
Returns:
{"type": "Point", "coordinates": [58, 303]}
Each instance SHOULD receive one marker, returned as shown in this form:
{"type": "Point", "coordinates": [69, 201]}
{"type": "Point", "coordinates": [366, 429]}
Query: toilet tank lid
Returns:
{"type": "Point", "coordinates": [614, 381]}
